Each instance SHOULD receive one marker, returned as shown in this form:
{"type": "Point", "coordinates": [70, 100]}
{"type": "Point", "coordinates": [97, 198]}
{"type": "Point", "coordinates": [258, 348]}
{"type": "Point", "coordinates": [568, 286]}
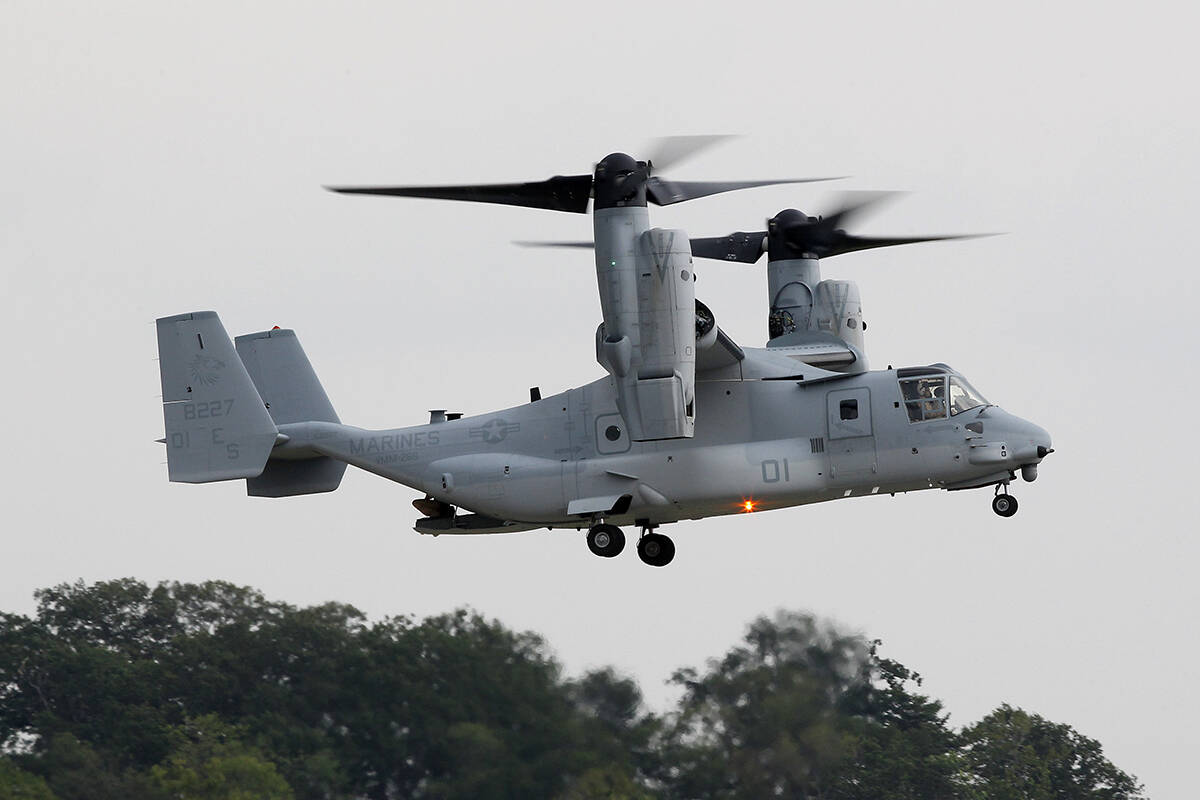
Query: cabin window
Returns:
{"type": "Point", "coordinates": [925, 397]}
{"type": "Point", "coordinates": [849, 409]}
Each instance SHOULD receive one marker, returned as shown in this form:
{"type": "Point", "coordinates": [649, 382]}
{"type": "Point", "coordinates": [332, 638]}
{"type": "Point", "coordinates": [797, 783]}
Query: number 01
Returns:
{"type": "Point", "coordinates": [772, 473]}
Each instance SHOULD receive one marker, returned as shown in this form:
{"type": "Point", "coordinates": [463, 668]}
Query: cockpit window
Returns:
{"type": "Point", "coordinates": [963, 396]}
{"type": "Point", "coordinates": [925, 398]}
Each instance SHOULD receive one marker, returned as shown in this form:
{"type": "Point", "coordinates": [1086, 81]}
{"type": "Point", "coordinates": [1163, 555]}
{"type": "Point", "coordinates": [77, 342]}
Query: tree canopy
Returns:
{"type": "Point", "coordinates": [120, 689]}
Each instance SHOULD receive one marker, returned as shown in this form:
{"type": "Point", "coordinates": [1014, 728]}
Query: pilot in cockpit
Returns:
{"type": "Point", "coordinates": [934, 404]}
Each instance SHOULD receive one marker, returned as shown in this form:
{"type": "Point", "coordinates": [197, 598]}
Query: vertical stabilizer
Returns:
{"type": "Point", "coordinates": [284, 377]}
{"type": "Point", "coordinates": [292, 392]}
{"type": "Point", "coordinates": [217, 426]}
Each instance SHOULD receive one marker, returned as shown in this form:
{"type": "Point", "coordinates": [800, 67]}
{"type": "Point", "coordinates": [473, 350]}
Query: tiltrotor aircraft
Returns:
{"type": "Point", "coordinates": [686, 424]}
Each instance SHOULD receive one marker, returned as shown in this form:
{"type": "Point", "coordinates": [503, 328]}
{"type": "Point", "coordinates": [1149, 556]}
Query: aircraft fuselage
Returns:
{"type": "Point", "coordinates": [566, 460]}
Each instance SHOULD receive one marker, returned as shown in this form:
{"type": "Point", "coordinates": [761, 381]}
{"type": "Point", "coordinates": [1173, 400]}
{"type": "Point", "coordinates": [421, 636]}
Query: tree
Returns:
{"type": "Point", "coordinates": [105, 676]}
{"type": "Point", "coordinates": [1013, 755]}
{"type": "Point", "coordinates": [465, 702]}
{"type": "Point", "coordinates": [801, 710]}
{"type": "Point", "coordinates": [17, 784]}
{"type": "Point", "coordinates": [76, 771]}
{"type": "Point", "coordinates": [615, 724]}
{"type": "Point", "coordinates": [210, 762]}
{"type": "Point", "coordinates": [905, 749]}
{"type": "Point", "coordinates": [605, 783]}
{"type": "Point", "coordinates": [120, 689]}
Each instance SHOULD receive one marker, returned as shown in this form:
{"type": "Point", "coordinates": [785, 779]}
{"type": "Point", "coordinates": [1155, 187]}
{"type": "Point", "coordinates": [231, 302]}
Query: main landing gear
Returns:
{"type": "Point", "coordinates": [1004, 503]}
{"type": "Point", "coordinates": [606, 541]}
{"type": "Point", "coordinates": [653, 548]}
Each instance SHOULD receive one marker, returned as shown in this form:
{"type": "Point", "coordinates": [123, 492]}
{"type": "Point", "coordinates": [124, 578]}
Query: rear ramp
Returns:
{"type": "Point", "coordinates": [291, 392]}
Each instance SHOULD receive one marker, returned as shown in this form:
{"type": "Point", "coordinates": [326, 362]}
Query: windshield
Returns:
{"type": "Point", "coordinates": [925, 396]}
{"type": "Point", "coordinates": [963, 396]}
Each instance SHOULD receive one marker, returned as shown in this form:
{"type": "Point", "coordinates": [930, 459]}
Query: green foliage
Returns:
{"type": "Point", "coordinates": [453, 706]}
{"type": "Point", "coordinates": [209, 762]}
{"type": "Point", "coordinates": [616, 726]}
{"type": "Point", "coordinates": [1013, 755]}
{"type": "Point", "coordinates": [605, 783]}
{"type": "Point", "coordinates": [76, 771]}
{"type": "Point", "coordinates": [119, 689]}
{"type": "Point", "coordinates": [17, 784]}
{"type": "Point", "coordinates": [800, 710]}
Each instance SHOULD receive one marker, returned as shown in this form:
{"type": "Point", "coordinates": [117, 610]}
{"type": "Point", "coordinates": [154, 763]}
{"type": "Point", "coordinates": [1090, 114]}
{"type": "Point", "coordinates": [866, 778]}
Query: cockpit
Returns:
{"type": "Point", "coordinates": [936, 392]}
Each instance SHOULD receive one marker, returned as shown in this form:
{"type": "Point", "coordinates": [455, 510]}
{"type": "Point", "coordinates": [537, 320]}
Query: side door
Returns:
{"type": "Point", "coordinates": [851, 436]}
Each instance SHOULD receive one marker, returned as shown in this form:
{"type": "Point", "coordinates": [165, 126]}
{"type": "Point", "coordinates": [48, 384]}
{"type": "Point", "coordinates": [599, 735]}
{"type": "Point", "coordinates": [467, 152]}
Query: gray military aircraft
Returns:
{"type": "Point", "coordinates": [686, 424]}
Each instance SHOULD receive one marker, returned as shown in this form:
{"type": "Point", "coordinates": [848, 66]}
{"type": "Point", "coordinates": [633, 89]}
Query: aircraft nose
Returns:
{"type": "Point", "coordinates": [1031, 441]}
{"type": "Point", "coordinates": [1032, 454]}
{"type": "Point", "coordinates": [1041, 438]}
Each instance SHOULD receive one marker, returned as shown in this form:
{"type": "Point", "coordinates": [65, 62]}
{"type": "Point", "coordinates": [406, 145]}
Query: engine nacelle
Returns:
{"type": "Point", "coordinates": [820, 320]}
{"type": "Point", "coordinates": [837, 309]}
{"type": "Point", "coordinates": [655, 372]}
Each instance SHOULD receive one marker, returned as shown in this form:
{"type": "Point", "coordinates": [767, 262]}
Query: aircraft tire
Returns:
{"type": "Point", "coordinates": [656, 550]}
{"type": "Point", "coordinates": [1004, 504]}
{"type": "Point", "coordinates": [606, 541]}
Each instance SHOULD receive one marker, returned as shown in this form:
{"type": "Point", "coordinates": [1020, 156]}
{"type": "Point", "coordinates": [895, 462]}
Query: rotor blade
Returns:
{"type": "Point", "coordinates": [853, 204]}
{"type": "Point", "coordinates": [560, 193]}
{"type": "Point", "coordinates": [664, 193]}
{"type": "Point", "coordinates": [588, 244]}
{"type": "Point", "coordinates": [741, 246]}
{"type": "Point", "coordinates": [851, 244]}
{"type": "Point", "coordinates": [669, 151]}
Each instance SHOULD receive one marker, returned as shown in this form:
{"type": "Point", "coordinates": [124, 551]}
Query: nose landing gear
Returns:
{"type": "Point", "coordinates": [1004, 503]}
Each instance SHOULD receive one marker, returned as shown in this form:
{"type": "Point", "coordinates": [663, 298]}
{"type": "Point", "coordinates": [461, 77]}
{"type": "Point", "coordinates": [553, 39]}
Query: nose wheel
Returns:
{"type": "Point", "coordinates": [655, 549]}
{"type": "Point", "coordinates": [1004, 504]}
{"type": "Point", "coordinates": [606, 541]}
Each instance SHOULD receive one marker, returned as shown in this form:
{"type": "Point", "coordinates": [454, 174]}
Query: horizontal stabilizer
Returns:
{"type": "Point", "coordinates": [217, 426]}
{"type": "Point", "coordinates": [290, 478]}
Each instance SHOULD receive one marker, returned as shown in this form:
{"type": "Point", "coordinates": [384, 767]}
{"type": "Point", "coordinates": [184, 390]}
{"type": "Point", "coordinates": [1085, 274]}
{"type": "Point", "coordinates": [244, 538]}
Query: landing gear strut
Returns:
{"type": "Point", "coordinates": [605, 540]}
{"type": "Point", "coordinates": [655, 549]}
{"type": "Point", "coordinates": [1004, 503]}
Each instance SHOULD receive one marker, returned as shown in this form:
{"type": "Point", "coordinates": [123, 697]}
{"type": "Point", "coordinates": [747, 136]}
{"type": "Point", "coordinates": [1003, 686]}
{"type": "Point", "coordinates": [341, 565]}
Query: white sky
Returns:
{"type": "Point", "coordinates": [159, 158]}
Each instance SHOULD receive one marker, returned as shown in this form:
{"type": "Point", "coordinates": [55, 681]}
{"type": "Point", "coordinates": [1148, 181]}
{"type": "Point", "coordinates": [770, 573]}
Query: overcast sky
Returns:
{"type": "Point", "coordinates": [158, 158]}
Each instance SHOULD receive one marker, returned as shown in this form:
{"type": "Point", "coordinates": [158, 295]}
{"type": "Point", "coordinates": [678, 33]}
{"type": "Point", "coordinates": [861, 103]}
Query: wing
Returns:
{"type": "Point", "coordinates": [723, 352]}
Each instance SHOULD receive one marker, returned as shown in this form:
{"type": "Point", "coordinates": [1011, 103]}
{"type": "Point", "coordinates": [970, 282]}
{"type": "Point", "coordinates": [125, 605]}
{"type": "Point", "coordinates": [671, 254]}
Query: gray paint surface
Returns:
{"type": "Point", "coordinates": [524, 466]}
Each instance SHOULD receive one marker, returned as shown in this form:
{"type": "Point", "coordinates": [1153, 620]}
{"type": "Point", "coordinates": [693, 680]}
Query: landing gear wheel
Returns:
{"type": "Point", "coordinates": [1004, 504]}
{"type": "Point", "coordinates": [655, 549]}
{"type": "Point", "coordinates": [606, 541]}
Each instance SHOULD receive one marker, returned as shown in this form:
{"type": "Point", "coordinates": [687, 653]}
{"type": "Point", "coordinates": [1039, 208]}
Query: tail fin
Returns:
{"type": "Point", "coordinates": [217, 426]}
{"type": "Point", "coordinates": [289, 386]}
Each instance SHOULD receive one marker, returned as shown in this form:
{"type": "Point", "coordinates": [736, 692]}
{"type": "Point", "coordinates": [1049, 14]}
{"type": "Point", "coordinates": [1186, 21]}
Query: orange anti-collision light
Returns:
{"type": "Point", "coordinates": [748, 506]}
